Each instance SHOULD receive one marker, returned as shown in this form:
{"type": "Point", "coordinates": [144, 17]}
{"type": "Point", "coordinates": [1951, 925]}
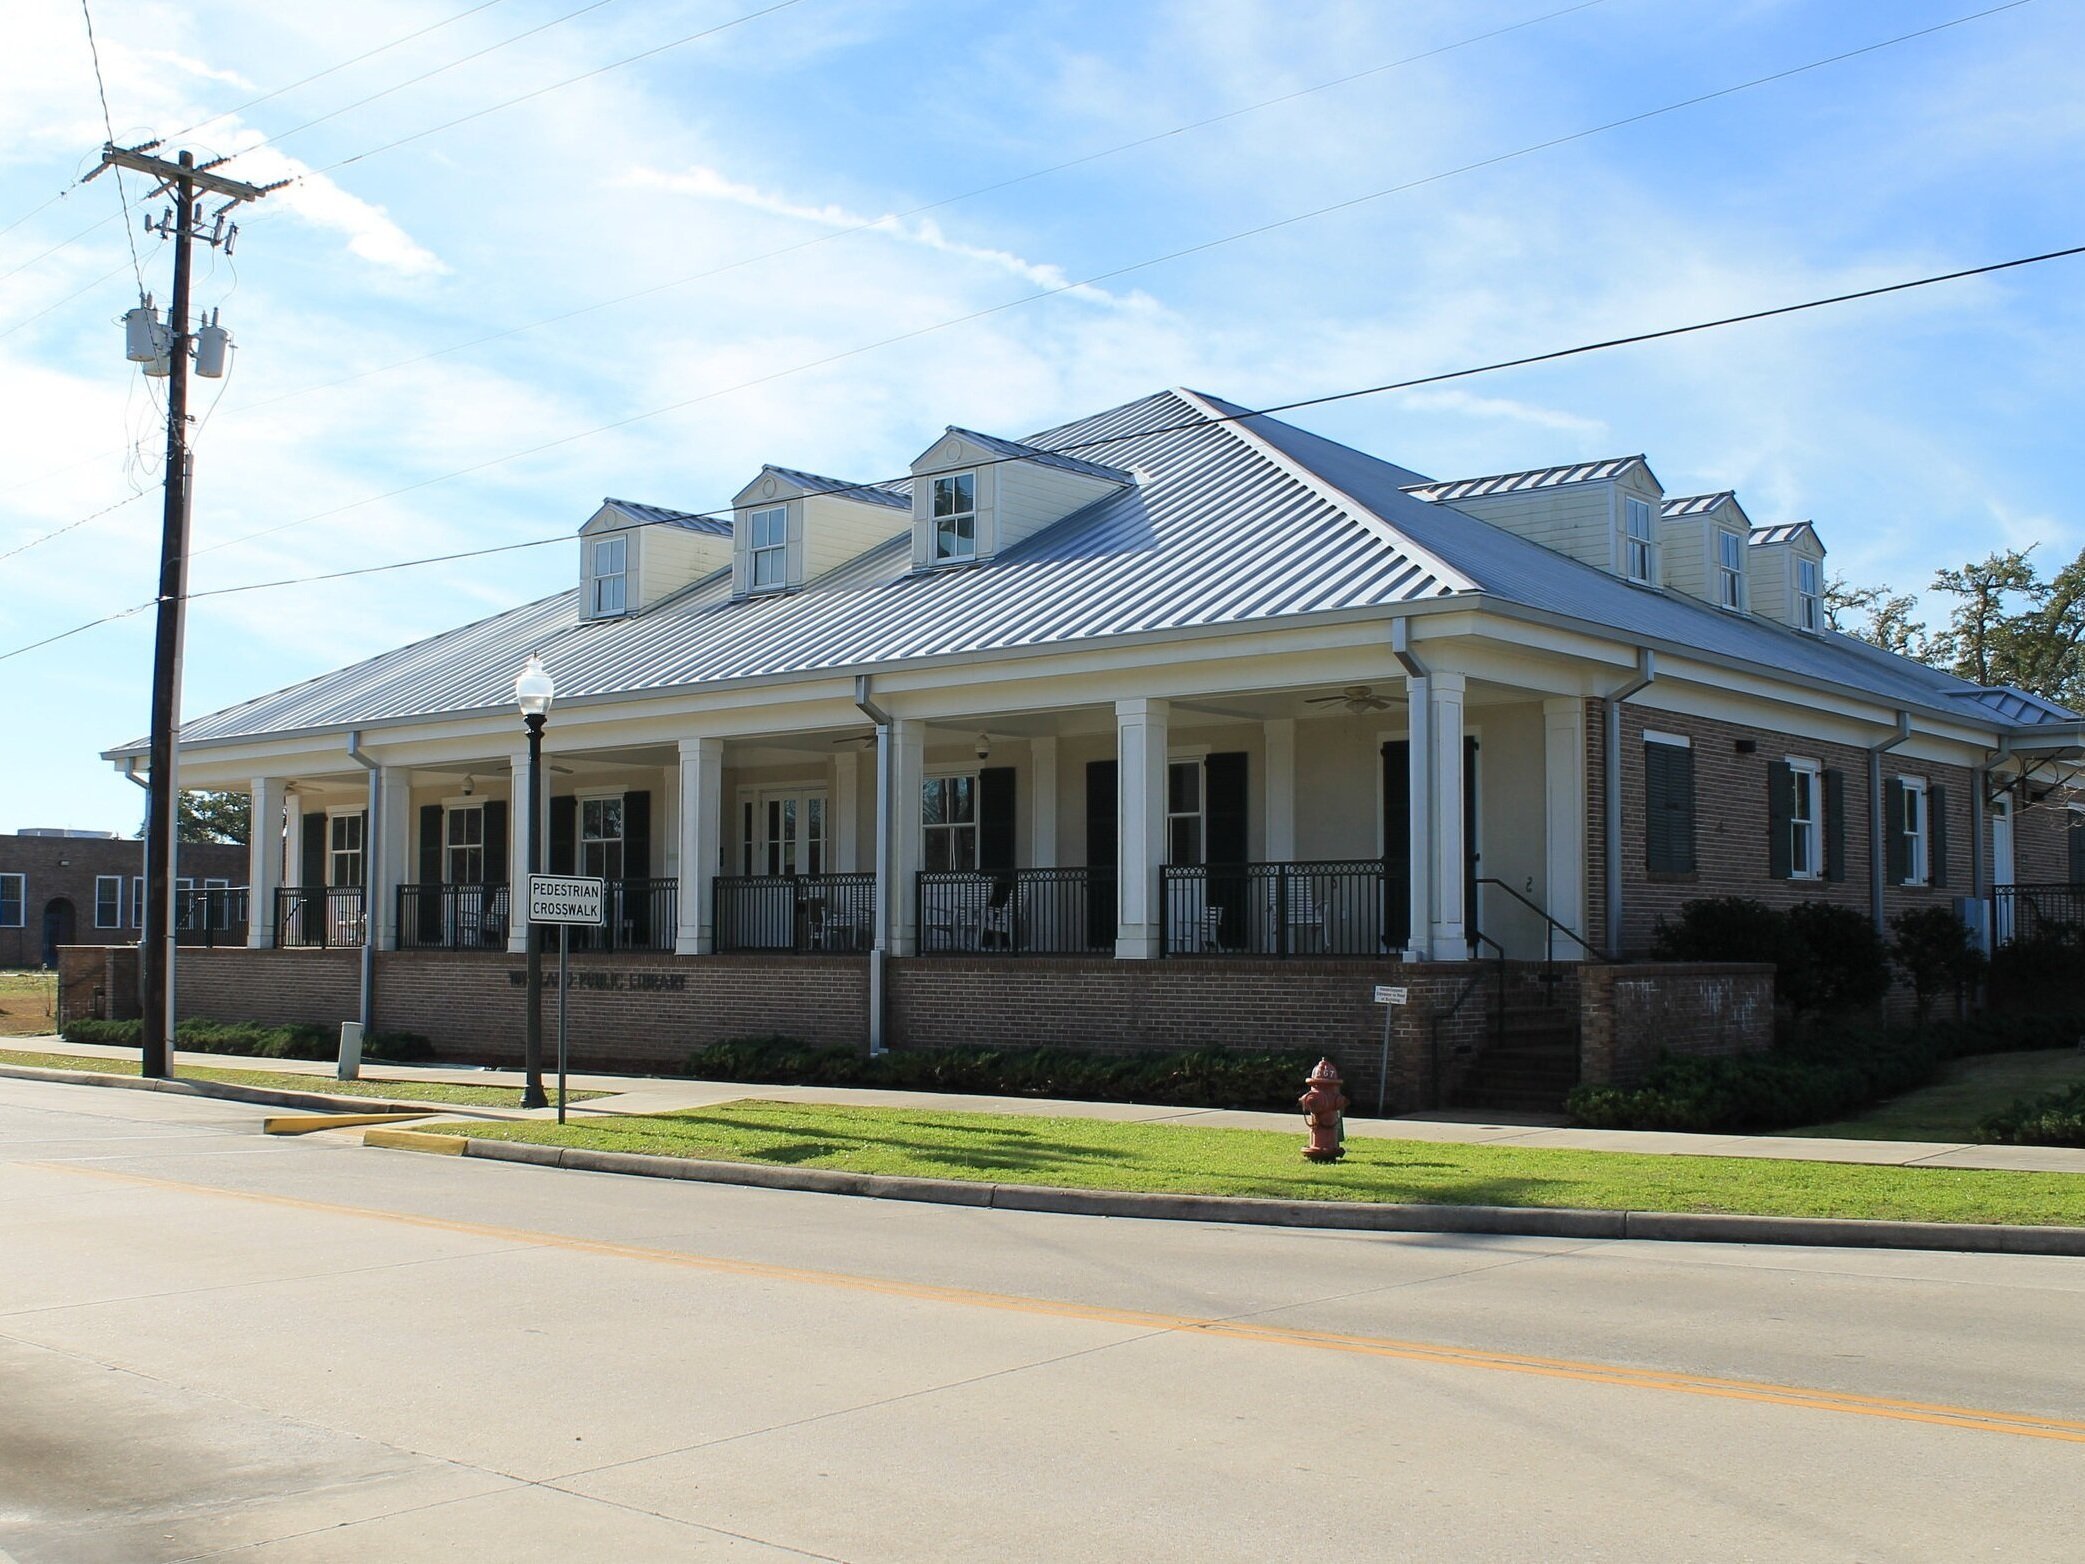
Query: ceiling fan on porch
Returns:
{"type": "Point", "coordinates": [1355, 697]}
{"type": "Point", "coordinates": [858, 740]}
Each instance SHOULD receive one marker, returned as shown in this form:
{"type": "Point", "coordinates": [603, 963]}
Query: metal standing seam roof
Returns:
{"type": "Point", "coordinates": [1233, 518]}
{"type": "Point", "coordinates": [897, 495]}
{"type": "Point", "coordinates": [1451, 490]}
{"type": "Point", "coordinates": [1785, 532]}
{"type": "Point", "coordinates": [658, 515]}
{"type": "Point", "coordinates": [1043, 456]}
{"type": "Point", "coordinates": [1696, 504]}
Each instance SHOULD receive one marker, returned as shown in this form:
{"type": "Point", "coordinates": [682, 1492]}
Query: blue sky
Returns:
{"type": "Point", "coordinates": [1916, 432]}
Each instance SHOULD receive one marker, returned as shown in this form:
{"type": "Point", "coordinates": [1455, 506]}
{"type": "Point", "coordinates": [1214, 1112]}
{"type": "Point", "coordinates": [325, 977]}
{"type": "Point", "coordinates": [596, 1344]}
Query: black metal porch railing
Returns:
{"type": "Point", "coordinates": [453, 917]}
{"type": "Point", "coordinates": [804, 914]}
{"type": "Point", "coordinates": [1017, 912]}
{"type": "Point", "coordinates": [1332, 908]}
{"type": "Point", "coordinates": [637, 914]}
{"type": "Point", "coordinates": [317, 916]}
{"type": "Point", "coordinates": [210, 915]}
{"type": "Point", "coordinates": [2025, 911]}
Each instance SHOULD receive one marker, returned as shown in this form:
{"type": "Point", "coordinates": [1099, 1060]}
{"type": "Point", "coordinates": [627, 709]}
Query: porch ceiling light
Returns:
{"type": "Point", "coordinates": [533, 688]}
{"type": "Point", "coordinates": [984, 746]}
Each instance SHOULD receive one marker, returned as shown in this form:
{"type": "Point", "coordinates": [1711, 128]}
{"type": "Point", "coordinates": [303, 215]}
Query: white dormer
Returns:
{"type": "Point", "coordinates": [1703, 540]}
{"type": "Point", "coordinates": [976, 495]}
{"type": "Point", "coordinates": [632, 556]}
{"type": "Point", "coordinates": [1603, 513]}
{"type": "Point", "coordinates": [1788, 574]}
{"type": "Point", "coordinates": [791, 526]}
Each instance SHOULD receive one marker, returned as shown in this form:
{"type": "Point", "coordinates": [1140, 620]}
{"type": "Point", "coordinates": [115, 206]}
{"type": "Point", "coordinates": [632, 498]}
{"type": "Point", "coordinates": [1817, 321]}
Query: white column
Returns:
{"type": "Point", "coordinates": [293, 839]}
{"type": "Point", "coordinates": [1140, 779]}
{"type": "Point", "coordinates": [701, 826]}
{"type": "Point", "coordinates": [1419, 774]}
{"type": "Point", "coordinates": [517, 853]}
{"type": "Point", "coordinates": [395, 825]}
{"type": "Point", "coordinates": [1042, 803]}
{"type": "Point", "coordinates": [1280, 837]}
{"type": "Point", "coordinates": [845, 811]}
{"type": "Point", "coordinates": [1564, 817]}
{"type": "Point", "coordinates": [898, 819]}
{"type": "Point", "coordinates": [263, 860]}
{"type": "Point", "coordinates": [1450, 851]}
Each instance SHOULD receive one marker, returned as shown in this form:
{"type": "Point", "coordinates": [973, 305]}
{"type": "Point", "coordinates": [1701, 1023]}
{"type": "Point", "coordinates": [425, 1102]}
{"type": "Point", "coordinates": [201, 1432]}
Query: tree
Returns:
{"type": "Point", "coordinates": [202, 815]}
{"type": "Point", "coordinates": [2010, 626]}
{"type": "Point", "coordinates": [1888, 622]}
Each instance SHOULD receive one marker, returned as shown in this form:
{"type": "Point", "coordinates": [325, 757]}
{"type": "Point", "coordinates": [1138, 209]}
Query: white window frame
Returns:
{"type": "Point", "coordinates": [1636, 545]}
{"type": "Point", "coordinates": [608, 576]}
{"type": "Point", "coordinates": [814, 844]}
{"type": "Point", "coordinates": [954, 831]}
{"type": "Point", "coordinates": [116, 922]}
{"type": "Point", "coordinates": [137, 901]}
{"type": "Point", "coordinates": [451, 808]}
{"type": "Point", "coordinates": [1806, 829]}
{"type": "Point", "coordinates": [335, 853]}
{"type": "Point", "coordinates": [1730, 570]}
{"type": "Point", "coordinates": [1199, 814]}
{"type": "Point", "coordinates": [960, 547]}
{"type": "Point", "coordinates": [21, 901]}
{"type": "Point", "coordinates": [217, 910]}
{"type": "Point", "coordinates": [581, 840]}
{"type": "Point", "coordinates": [1809, 595]}
{"type": "Point", "coordinates": [1918, 834]}
{"type": "Point", "coordinates": [767, 549]}
{"type": "Point", "coordinates": [184, 902]}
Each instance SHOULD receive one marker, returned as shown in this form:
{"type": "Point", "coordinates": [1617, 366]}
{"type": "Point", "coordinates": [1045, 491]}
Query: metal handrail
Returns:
{"type": "Point", "coordinates": [1555, 928]}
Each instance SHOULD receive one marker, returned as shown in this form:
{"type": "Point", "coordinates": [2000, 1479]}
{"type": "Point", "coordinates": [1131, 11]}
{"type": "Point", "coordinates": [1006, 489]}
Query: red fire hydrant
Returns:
{"type": "Point", "coordinates": [1322, 1105]}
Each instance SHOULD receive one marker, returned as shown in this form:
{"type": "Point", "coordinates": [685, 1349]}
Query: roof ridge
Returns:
{"type": "Point", "coordinates": [1422, 557]}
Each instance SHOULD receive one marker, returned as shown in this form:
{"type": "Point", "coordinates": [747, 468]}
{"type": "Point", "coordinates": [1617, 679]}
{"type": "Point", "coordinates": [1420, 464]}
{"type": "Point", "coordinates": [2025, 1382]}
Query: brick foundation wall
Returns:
{"type": "Point", "coordinates": [97, 983]}
{"type": "Point", "coordinates": [1628, 1015]}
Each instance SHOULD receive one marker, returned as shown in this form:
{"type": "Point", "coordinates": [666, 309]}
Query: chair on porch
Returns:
{"type": "Point", "coordinates": [1304, 917]}
{"type": "Point", "coordinates": [954, 914]}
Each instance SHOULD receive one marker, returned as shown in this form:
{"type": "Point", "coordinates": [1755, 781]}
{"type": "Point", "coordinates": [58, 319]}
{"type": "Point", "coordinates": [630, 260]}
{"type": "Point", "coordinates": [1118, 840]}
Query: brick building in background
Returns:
{"type": "Point", "coordinates": [60, 887]}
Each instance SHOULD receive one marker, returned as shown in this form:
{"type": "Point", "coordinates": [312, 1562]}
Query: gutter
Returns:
{"type": "Point", "coordinates": [879, 953]}
{"type": "Point", "coordinates": [372, 838]}
{"type": "Point", "coordinates": [1876, 858]}
{"type": "Point", "coordinates": [1611, 789]}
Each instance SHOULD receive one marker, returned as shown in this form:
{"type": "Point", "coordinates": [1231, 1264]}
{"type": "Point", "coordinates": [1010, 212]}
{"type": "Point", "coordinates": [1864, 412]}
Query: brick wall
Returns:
{"type": "Point", "coordinates": [62, 870]}
{"type": "Point", "coordinates": [1730, 823]}
{"type": "Point", "coordinates": [2041, 849]}
{"type": "Point", "coordinates": [1628, 1015]}
{"type": "Point", "coordinates": [97, 983]}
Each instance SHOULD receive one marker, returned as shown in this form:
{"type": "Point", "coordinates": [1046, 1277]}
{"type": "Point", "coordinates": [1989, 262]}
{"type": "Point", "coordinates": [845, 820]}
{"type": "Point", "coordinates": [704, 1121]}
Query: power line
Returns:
{"type": "Point", "coordinates": [58, 532]}
{"type": "Point", "coordinates": [1110, 275]}
{"type": "Point", "coordinates": [1100, 442]}
{"type": "Point", "coordinates": [26, 320]}
{"type": "Point", "coordinates": [108, 124]}
{"type": "Point", "coordinates": [99, 222]}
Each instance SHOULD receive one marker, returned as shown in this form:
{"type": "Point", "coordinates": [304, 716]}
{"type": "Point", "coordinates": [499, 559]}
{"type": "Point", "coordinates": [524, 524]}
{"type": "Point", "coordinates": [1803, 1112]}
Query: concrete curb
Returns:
{"type": "Point", "coordinates": [260, 1096]}
{"type": "Point", "coordinates": [1357, 1216]}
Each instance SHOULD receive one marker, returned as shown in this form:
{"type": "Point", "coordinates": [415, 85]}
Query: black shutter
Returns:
{"type": "Point", "coordinates": [1397, 844]}
{"type": "Point", "coordinates": [1780, 812]}
{"type": "Point", "coordinates": [1668, 782]}
{"type": "Point", "coordinates": [1896, 859]}
{"type": "Point", "coordinates": [312, 873]}
{"type": "Point", "coordinates": [997, 845]}
{"type": "Point", "coordinates": [1936, 834]}
{"type": "Point", "coordinates": [1103, 854]}
{"type": "Point", "coordinates": [564, 836]}
{"type": "Point", "coordinates": [2076, 837]}
{"type": "Point", "coordinates": [1470, 857]}
{"type": "Point", "coordinates": [636, 900]}
{"type": "Point", "coordinates": [496, 843]}
{"type": "Point", "coordinates": [1227, 817]}
{"type": "Point", "coordinates": [428, 917]}
{"type": "Point", "coordinates": [1835, 825]}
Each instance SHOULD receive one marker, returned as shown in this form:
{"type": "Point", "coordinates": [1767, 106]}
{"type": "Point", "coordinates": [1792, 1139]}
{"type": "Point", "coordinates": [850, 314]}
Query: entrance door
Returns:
{"type": "Point", "coordinates": [786, 838]}
{"type": "Point", "coordinates": [1397, 840]}
{"type": "Point", "coordinates": [58, 922]}
{"type": "Point", "coordinates": [2001, 869]}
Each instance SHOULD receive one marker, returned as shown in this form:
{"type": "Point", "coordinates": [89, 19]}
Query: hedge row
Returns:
{"type": "Point", "coordinates": [1198, 1078]}
{"type": "Point", "coordinates": [2053, 1119]}
{"type": "Point", "coordinates": [251, 1039]}
{"type": "Point", "coordinates": [1819, 1073]}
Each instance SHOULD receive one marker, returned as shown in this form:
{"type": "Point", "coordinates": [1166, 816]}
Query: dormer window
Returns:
{"type": "Point", "coordinates": [1636, 523]}
{"type": "Point", "coordinates": [954, 516]}
{"type": "Point", "coordinates": [769, 545]}
{"type": "Point", "coordinates": [1809, 596]}
{"type": "Point", "coordinates": [1730, 570]}
{"type": "Point", "coordinates": [609, 576]}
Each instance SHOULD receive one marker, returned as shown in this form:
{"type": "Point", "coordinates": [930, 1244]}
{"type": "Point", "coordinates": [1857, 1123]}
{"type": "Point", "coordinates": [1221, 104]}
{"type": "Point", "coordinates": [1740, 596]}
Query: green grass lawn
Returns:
{"type": "Point", "coordinates": [1096, 1154]}
{"type": "Point", "coordinates": [28, 1003]}
{"type": "Point", "coordinates": [283, 1080]}
{"type": "Point", "coordinates": [1966, 1092]}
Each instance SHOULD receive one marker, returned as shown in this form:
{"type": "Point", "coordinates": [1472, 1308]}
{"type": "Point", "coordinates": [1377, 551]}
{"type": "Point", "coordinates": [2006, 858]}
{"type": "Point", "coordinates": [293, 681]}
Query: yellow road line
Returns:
{"type": "Point", "coordinates": [2026, 1425]}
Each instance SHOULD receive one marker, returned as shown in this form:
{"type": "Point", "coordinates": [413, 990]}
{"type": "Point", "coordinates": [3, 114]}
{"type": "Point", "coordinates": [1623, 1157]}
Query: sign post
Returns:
{"type": "Point", "coordinates": [1388, 995]}
{"type": "Point", "coordinates": [562, 901]}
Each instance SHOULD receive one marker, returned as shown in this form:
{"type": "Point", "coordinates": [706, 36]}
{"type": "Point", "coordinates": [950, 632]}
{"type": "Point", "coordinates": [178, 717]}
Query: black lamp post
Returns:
{"type": "Point", "coordinates": [532, 692]}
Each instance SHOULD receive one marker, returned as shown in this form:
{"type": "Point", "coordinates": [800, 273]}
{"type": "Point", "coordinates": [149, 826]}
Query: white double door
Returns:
{"type": "Point", "coordinates": [785, 838]}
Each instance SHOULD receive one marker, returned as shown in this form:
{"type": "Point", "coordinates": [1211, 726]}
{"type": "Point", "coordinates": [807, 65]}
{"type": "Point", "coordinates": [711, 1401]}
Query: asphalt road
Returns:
{"type": "Point", "coordinates": [218, 1345]}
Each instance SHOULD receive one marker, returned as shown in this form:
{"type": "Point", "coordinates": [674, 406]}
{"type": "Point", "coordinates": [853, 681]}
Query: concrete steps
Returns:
{"type": "Point", "coordinates": [1530, 1066]}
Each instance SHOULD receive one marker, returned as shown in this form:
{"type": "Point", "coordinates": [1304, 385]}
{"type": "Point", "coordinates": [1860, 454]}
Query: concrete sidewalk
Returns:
{"type": "Point", "coordinates": [664, 1094]}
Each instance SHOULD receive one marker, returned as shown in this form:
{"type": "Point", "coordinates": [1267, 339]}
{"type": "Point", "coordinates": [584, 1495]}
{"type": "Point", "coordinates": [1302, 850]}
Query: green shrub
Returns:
{"type": "Point", "coordinates": [254, 1040]}
{"type": "Point", "coordinates": [2042, 970]}
{"type": "Point", "coordinates": [1201, 1077]}
{"type": "Point", "coordinates": [2052, 1119]}
{"type": "Point", "coordinates": [1933, 947]}
{"type": "Point", "coordinates": [1826, 958]}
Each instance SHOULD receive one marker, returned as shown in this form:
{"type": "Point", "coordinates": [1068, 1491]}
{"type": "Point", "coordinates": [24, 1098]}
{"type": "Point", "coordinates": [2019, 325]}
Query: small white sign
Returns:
{"type": "Point", "coordinates": [1386, 995]}
{"type": "Point", "coordinates": [558, 898]}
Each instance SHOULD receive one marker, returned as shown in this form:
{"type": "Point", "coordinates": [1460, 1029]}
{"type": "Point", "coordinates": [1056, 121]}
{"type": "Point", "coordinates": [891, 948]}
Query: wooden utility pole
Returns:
{"type": "Point", "coordinates": [183, 224]}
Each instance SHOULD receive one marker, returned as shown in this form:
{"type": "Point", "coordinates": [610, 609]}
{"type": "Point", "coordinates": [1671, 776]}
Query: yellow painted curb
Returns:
{"type": "Point", "coordinates": [306, 1123]}
{"type": "Point", "coordinates": [413, 1140]}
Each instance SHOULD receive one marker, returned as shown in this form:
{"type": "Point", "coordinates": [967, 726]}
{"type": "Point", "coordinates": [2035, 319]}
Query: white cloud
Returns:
{"type": "Point", "coordinates": [318, 200]}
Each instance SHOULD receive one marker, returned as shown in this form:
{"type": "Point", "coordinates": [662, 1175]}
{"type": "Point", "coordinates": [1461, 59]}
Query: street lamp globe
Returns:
{"type": "Point", "coordinates": [533, 688]}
